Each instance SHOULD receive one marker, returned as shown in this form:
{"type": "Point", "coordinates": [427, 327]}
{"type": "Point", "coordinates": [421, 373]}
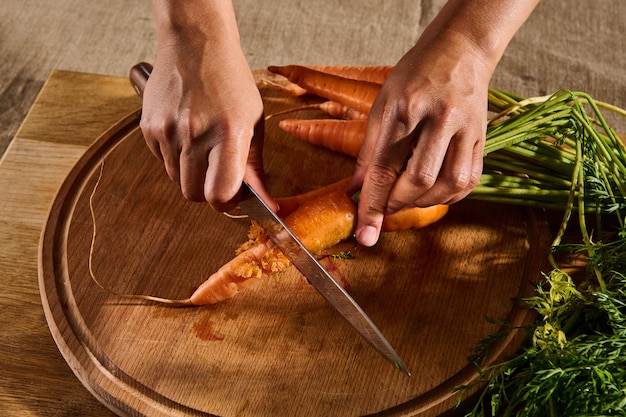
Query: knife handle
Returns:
{"type": "Point", "coordinates": [139, 75]}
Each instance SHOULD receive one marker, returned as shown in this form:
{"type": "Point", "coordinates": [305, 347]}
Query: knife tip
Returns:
{"type": "Point", "coordinates": [402, 368]}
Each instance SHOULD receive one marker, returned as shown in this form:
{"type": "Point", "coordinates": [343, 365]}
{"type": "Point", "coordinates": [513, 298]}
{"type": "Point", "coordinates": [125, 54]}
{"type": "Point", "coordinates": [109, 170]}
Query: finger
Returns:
{"type": "Point", "coordinates": [422, 168]}
{"type": "Point", "coordinates": [225, 173]}
{"type": "Point", "coordinates": [153, 146]}
{"type": "Point", "coordinates": [363, 160]}
{"type": "Point", "coordinates": [378, 167]}
{"type": "Point", "coordinates": [160, 138]}
{"type": "Point", "coordinates": [255, 173]}
{"type": "Point", "coordinates": [475, 169]}
{"type": "Point", "coordinates": [150, 138]}
{"type": "Point", "coordinates": [194, 164]}
{"type": "Point", "coordinates": [171, 159]}
{"type": "Point", "coordinates": [459, 174]}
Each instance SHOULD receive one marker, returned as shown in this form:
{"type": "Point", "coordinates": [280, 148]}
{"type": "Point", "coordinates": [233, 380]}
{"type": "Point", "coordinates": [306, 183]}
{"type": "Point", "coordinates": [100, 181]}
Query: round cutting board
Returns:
{"type": "Point", "coordinates": [276, 348]}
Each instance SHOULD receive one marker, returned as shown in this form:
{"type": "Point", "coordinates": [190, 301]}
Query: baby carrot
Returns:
{"type": "Point", "coordinates": [345, 136]}
{"type": "Point", "coordinates": [356, 94]}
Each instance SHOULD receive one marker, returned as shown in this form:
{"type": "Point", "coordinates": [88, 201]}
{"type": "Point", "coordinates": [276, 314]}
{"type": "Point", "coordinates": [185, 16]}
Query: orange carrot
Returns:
{"type": "Point", "coordinates": [374, 73]}
{"type": "Point", "coordinates": [356, 94]}
{"type": "Point", "coordinates": [319, 223]}
{"type": "Point", "coordinates": [414, 218]}
{"type": "Point", "coordinates": [287, 205]}
{"type": "Point", "coordinates": [405, 219]}
{"type": "Point", "coordinates": [344, 136]}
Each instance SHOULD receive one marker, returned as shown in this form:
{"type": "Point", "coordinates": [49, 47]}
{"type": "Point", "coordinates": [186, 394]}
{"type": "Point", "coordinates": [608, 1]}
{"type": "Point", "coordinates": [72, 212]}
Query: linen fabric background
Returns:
{"type": "Point", "coordinates": [575, 44]}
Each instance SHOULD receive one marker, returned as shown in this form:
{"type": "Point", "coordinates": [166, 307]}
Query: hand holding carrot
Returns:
{"type": "Point", "coordinates": [202, 112]}
{"type": "Point", "coordinates": [426, 130]}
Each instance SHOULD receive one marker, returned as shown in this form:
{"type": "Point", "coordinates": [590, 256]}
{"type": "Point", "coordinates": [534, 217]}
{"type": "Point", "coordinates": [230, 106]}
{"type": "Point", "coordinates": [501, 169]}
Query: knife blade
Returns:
{"type": "Point", "coordinates": [256, 208]}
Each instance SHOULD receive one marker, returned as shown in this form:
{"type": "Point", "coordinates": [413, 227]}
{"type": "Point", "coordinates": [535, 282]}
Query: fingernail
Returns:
{"type": "Point", "coordinates": [367, 236]}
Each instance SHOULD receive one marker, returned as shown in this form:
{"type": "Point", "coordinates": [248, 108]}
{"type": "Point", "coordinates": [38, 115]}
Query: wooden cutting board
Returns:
{"type": "Point", "coordinates": [277, 348]}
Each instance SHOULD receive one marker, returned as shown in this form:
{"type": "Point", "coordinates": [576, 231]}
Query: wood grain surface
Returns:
{"type": "Point", "coordinates": [71, 111]}
{"type": "Point", "coordinates": [277, 348]}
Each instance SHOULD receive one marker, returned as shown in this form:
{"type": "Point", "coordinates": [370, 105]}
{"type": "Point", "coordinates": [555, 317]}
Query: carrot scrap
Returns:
{"type": "Point", "coordinates": [265, 78]}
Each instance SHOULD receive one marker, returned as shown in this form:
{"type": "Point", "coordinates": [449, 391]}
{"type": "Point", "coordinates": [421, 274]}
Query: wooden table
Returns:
{"type": "Point", "coordinates": [35, 380]}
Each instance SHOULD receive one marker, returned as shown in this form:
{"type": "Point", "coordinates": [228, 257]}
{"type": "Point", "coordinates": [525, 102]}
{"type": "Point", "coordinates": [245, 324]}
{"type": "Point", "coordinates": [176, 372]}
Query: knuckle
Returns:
{"type": "Point", "coordinates": [382, 177]}
{"type": "Point", "coordinates": [474, 179]}
{"type": "Point", "coordinates": [465, 179]}
{"type": "Point", "coordinates": [458, 182]}
{"type": "Point", "coordinates": [422, 178]}
{"type": "Point", "coordinates": [219, 200]}
{"type": "Point", "coordinates": [191, 127]}
{"type": "Point", "coordinates": [449, 116]}
{"type": "Point", "coordinates": [156, 127]}
{"type": "Point", "coordinates": [399, 113]}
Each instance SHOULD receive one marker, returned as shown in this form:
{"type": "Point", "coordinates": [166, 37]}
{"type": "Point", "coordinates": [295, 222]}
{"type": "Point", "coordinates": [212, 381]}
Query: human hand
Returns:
{"type": "Point", "coordinates": [203, 113]}
{"type": "Point", "coordinates": [425, 134]}
{"type": "Point", "coordinates": [426, 130]}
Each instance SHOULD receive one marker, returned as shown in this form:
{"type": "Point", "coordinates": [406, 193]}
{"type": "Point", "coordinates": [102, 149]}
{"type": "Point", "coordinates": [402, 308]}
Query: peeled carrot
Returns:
{"type": "Point", "coordinates": [319, 223]}
{"type": "Point", "coordinates": [374, 73]}
{"type": "Point", "coordinates": [356, 94]}
{"type": "Point", "coordinates": [345, 136]}
{"type": "Point", "coordinates": [287, 205]}
{"type": "Point", "coordinates": [414, 218]}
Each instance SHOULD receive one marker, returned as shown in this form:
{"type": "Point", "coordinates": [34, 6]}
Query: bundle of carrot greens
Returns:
{"type": "Point", "coordinates": [556, 153]}
{"type": "Point", "coordinates": [559, 153]}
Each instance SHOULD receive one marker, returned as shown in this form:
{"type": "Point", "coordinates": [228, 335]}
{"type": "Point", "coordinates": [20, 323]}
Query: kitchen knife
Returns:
{"type": "Point", "coordinates": [254, 206]}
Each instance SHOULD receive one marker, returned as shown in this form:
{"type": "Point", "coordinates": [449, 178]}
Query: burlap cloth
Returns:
{"type": "Point", "coordinates": [575, 44]}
